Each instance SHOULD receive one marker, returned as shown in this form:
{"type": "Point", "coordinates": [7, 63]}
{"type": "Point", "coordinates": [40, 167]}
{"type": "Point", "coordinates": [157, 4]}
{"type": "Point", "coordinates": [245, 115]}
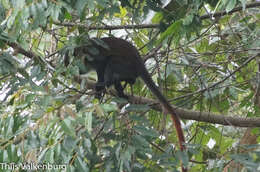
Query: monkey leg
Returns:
{"type": "Point", "coordinates": [130, 81]}
{"type": "Point", "coordinates": [120, 90]}
{"type": "Point", "coordinates": [100, 85]}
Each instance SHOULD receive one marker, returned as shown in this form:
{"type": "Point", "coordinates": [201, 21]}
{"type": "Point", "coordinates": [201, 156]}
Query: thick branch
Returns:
{"type": "Point", "coordinates": [107, 27]}
{"type": "Point", "coordinates": [222, 119]}
{"type": "Point", "coordinates": [231, 120]}
{"type": "Point", "coordinates": [145, 26]}
{"type": "Point", "coordinates": [18, 49]}
{"type": "Point", "coordinates": [222, 13]}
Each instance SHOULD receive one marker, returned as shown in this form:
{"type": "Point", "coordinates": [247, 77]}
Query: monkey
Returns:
{"type": "Point", "coordinates": [118, 60]}
{"type": "Point", "coordinates": [110, 70]}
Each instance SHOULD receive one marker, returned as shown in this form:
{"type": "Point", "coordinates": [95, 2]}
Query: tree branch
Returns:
{"type": "Point", "coordinates": [231, 120]}
{"type": "Point", "coordinates": [107, 27]}
{"type": "Point", "coordinates": [18, 49]}
{"type": "Point", "coordinates": [146, 26]}
{"type": "Point", "coordinates": [222, 13]}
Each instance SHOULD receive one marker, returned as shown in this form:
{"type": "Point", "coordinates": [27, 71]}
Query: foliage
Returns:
{"type": "Point", "coordinates": [48, 118]}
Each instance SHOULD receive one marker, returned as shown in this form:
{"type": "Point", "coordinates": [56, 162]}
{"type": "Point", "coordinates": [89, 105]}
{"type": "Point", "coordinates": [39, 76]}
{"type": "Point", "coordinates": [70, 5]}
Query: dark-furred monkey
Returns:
{"type": "Point", "coordinates": [117, 60]}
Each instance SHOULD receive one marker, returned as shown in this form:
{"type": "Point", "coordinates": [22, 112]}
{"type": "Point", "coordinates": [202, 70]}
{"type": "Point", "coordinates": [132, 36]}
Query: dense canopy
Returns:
{"type": "Point", "coordinates": [203, 55]}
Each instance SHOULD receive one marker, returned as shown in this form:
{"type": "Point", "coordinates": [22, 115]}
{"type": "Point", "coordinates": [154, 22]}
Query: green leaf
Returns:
{"type": "Point", "coordinates": [44, 3]}
{"type": "Point", "coordinates": [103, 3]}
{"type": "Point", "coordinates": [157, 17]}
{"type": "Point", "coordinates": [46, 101]}
{"type": "Point", "coordinates": [41, 155]}
{"type": "Point", "coordinates": [81, 165]}
{"type": "Point", "coordinates": [35, 71]}
{"type": "Point", "coordinates": [54, 10]}
{"type": "Point", "coordinates": [153, 5]}
{"type": "Point", "coordinates": [146, 131]}
{"type": "Point", "coordinates": [49, 156]}
{"type": "Point", "coordinates": [69, 144]}
{"type": "Point", "coordinates": [231, 4]}
{"type": "Point", "coordinates": [173, 70]}
{"type": "Point", "coordinates": [140, 141]}
{"type": "Point", "coordinates": [8, 130]}
{"type": "Point", "coordinates": [88, 121]}
{"type": "Point", "coordinates": [188, 19]}
{"type": "Point", "coordinates": [6, 4]}
{"type": "Point", "coordinates": [33, 10]}
{"type": "Point", "coordinates": [138, 118]}
{"type": "Point", "coordinates": [101, 43]}
{"type": "Point", "coordinates": [99, 110]}
{"type": "Point", "coordinates": [109, 107]}
{"type": "Point", "coordinates": [67, 127]}
{"type": "Point", "coordinates": [173, 29]}
{"type": "Point", "coordinates": [12, 153]}
{"type": "Point", "coordinates": [91, 4]}
{"type": "Point", "coordinates": [245, 159]}
{"type": "Point", "coordinates": [183, 156]}
{"type": "Point", "coordinates": [137, 108]}
{"type": "Point", "coordinates": [80, 5]}
{"type": "Point", "coordinates": [243, 2]}
{"type": "Point", "coordinates": [18, 4]}
{"type": "Point", "coordinates": [68, 16]}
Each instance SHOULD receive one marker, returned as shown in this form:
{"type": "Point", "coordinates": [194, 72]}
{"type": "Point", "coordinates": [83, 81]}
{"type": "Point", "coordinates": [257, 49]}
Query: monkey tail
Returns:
{"type": "Point", "coordinates": [174, 116]}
